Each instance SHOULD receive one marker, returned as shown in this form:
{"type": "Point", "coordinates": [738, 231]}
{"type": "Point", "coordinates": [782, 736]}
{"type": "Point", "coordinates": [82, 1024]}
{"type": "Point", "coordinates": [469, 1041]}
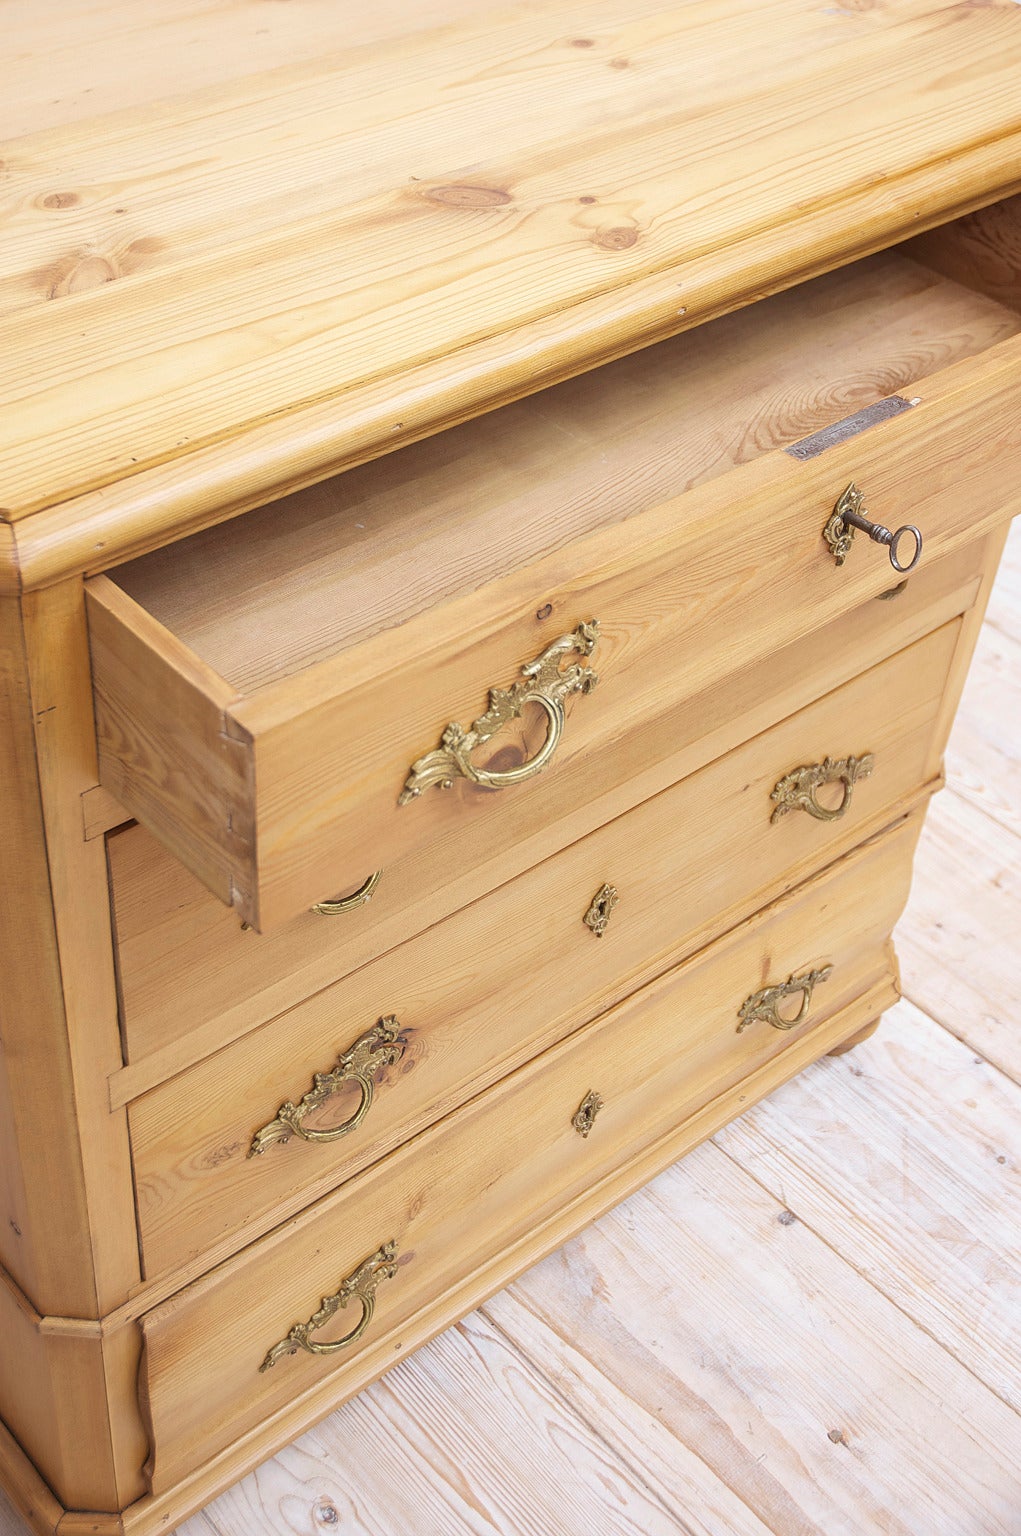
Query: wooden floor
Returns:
{"type": "Point", "coordinates": [809, 1327]}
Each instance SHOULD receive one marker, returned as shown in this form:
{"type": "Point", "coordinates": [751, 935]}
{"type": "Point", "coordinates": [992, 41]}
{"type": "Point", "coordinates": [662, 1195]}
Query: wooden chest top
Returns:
{"type": "Point", "coordinates": [345, 226]}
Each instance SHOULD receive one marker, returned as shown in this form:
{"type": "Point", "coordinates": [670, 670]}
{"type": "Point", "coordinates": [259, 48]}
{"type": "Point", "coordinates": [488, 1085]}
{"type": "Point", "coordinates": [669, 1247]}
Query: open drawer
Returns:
{"type": "Point", "coordinates": [274, 696]}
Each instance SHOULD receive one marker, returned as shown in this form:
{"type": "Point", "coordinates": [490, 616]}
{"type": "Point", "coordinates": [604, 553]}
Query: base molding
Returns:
{"type": "Point", "coordinates": [30, 1495]}
{"type": "Point", "coordinates": [157, 1515]}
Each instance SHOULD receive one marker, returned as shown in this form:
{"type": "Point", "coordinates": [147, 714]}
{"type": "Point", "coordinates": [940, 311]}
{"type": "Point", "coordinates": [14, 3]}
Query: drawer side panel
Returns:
{"type": "Point", "coordinates": [165, 748]}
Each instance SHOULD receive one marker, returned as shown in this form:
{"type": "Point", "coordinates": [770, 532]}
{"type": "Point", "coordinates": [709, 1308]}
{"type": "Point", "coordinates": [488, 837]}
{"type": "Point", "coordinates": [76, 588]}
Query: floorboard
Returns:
{"type": "Point", "coordinates": [959, 940]}
{"type": "Point", "coordinates": [467, 1436]}
{"type": "Point", "coordinates": [1004, 611]}
{"type": "Point", "coordinates": [817, 1400]}
{"type": "Point", "coordinates": [982, 759]}
{"type": "Point", "coordinates": [858, 1146]}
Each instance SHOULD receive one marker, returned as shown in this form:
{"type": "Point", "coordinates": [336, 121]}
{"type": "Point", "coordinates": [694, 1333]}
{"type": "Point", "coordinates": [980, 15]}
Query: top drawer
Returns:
{"type": "Point", "coordinates": [267, 692]}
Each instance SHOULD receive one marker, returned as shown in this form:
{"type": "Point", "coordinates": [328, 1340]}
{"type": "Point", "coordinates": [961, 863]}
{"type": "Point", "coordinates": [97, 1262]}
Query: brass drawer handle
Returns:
{"type": "Point", "coordinates": [797, 790]}
{"type": "Point", "coordinates": [766, 1004]}
{"type": "Point", "coordinates": [850, 513]}
{"type": "Point", "coordinates": [360, 1286]}
{"type": "Point", "coordinates": [543, 683]}
{"type": "Point", "coordinates": [357, 898]}
{"type": "Point", "coordinates": [380, 1046]}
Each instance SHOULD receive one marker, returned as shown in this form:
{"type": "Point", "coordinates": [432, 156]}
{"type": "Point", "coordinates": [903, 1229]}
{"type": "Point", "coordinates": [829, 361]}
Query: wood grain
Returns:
{"type": "Point", "coordinates": [151, 689]}
{"type": "Point", "coordinates": [914, 1111]}
{"type": "Point", "coordinates": [986, 745]}
{"type": "Point", "coordinates": [930, 1125]}
{"type": "Point", "coordinates": [111, 55]}
{"type": "Point", "coordinates": [665, 583]}
{"type": "Point", "coordinates": [982, 250]}
{"type": "Point", "coordinates": [270, 144]}
{"type": "Point", "coordinates": [964, 974]}
{"type": "Point", "coordinates": [101, 813]}
{"type": "Point", "coordinates": [63, 1395]}
{"type": "Point", "coordinates": [49, 1196]}
{"type": "Point", "coordinates": [851, 1435]}
{"type": "Point", "coordinates": [220, 297]}
{"type": "Point", "coordinates": [895, 706]}
{"type": "Point", "coordinates": [154, 1514]}
{"type": "Point", "coordinates": [39, 1510]}
{"type": "Point", "coordinates": [690, 202]}
{"type": "Point", "coordinates": [27, 1401]}
{"type": "Point", "coordinates": [1004, 611]}
{"type": "Point", "coordinates": [442, 1481]}
{"type": "Point", "coordinates": [57, 655]}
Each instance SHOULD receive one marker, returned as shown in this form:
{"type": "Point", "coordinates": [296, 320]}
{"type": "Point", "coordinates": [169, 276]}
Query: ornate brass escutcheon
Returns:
{"type": "Point", "coordinates": [765, 1005]}
{"type": "Point", "coordinates": [601, 909]}
{"type": "Point", "coordinates": [360, 1286]}
{"type": "Point", "coordinates": [850, 513]}
{"type": "Point", "coordinates": [584, 1116]}
{"type": "Point", "coordinates": [357, 898]}
{"type": "Point", "coordinates": [798, 790]}
{"type": "Point", "coordinates": [380, 1046]}
{"type": "Point", "coordinates": [543, 683]}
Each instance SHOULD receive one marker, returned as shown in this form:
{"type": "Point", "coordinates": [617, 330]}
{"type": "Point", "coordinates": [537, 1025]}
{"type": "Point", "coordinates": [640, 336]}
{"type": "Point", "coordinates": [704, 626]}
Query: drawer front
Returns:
{"type": "Point", "coordinates": [499, 981]}
{"type": "Point", "coordinates": [455, 1197]}
{"type": "Point", "coordinates": [192, 980]}
{"type": "Point", "coordinates": [278, 798]}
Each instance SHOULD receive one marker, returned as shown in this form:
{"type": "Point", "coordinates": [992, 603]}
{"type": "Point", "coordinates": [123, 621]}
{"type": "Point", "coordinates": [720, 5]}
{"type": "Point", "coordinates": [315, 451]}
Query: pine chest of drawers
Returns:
{"type": "Point", "coordinates": [497, 508]}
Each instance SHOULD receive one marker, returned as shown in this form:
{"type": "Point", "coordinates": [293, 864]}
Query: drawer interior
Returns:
{"type": "Point", "coordinates": [282, 699]}
{"type": "Point", "coordinates": [330, 566]}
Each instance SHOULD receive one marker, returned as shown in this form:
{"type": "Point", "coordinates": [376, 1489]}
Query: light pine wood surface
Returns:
{"type": "Point", "coordinates": [811, 1326]}
{"type": "Point", "coordinates": [213, 300]}
{"type": "Point", "coordinates": [423, 212]}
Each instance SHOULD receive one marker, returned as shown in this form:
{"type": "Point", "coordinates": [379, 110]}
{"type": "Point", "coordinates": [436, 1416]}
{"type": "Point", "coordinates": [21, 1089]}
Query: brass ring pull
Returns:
{"type": "Point", "coordinates": [542, 682]}
{"type": "Point", "coordinates": [381, 1046]}
{"type": "Point", "coordinates": [357, 898]}
{"type": "Point", "coordinates": [765, 1005]}
{"type": "Point", "coordinates": [798, 790]}
{"type": "Point", "coordinates": [850, 513]}
{"type": "Point", "coordinates": [360, 1286]}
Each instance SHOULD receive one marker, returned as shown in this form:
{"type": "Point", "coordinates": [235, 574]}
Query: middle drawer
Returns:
{"type": "Point", "coordinates": [408, 1037]}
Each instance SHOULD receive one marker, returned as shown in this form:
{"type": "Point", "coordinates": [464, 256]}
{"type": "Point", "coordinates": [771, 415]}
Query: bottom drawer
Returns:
{"type": "Point", "coordinates": [444, 1205]}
